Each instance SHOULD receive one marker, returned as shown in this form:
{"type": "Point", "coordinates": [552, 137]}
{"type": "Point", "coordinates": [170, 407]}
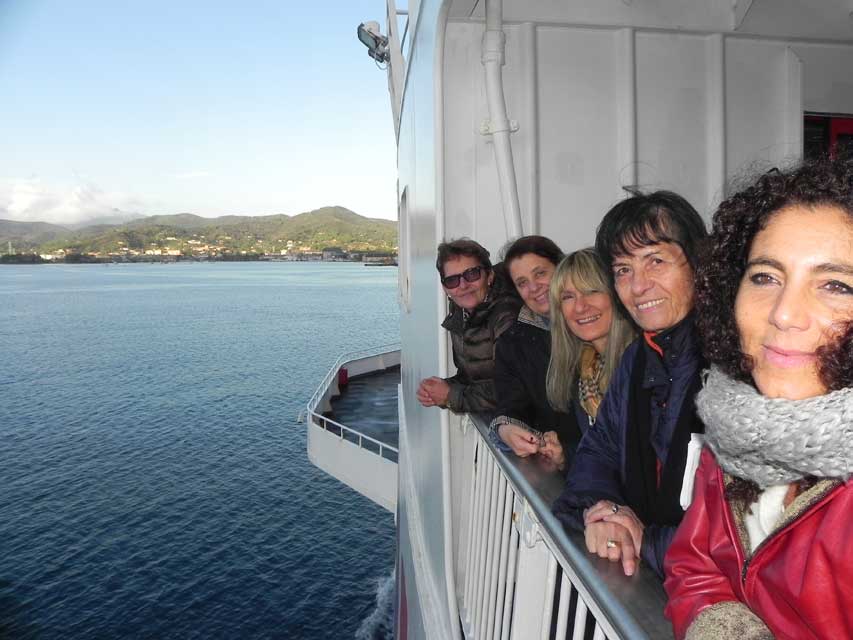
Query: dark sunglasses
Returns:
{"type": "Point", "coordinates": [471, 275]}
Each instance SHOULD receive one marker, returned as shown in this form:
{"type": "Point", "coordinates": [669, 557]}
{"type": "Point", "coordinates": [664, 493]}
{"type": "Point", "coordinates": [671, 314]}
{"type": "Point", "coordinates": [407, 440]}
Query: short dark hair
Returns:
{"type": "Point", "coordinates": [822, 182]}
{"type": "Point", "coordinates": [646, 219]}
{"type": "Point", "coordinates": [539, 245]}
{"type": "Point", "coordinates": [461, 247]}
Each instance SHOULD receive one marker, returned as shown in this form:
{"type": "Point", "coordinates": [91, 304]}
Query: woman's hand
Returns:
{"type": "Point", "coordinates": [615, 532]}
{"type": "Point", "coordinates": [433, 392]}
{"type": "Point", "coordinates": [520, 440]}
{"type": "Point", "coordinates": [553, 450]}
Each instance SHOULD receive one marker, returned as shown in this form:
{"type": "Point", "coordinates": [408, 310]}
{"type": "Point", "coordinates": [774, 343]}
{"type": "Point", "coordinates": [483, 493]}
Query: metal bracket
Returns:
{"type": "Point", "coordinates": [486, 128]}
{"type": "Point", "coordinates": [525, 522]}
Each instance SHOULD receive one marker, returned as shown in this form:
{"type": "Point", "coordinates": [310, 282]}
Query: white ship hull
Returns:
{"type": "Point", "coordinates": [686, 95]}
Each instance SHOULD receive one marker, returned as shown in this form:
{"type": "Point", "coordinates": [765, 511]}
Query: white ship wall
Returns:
{"type": "Point", "coordinates": [421, 518]}
{"type": "Point", "coordinates": [605, 94]}
{"type": "Point", "coordinates": [706, 109]}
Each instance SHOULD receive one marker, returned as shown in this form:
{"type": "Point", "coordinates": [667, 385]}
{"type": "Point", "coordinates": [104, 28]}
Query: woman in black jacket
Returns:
{"type": "Point", "coordinates": [482, 307]}
{"type": "Point", "coordinates": [547, 399]}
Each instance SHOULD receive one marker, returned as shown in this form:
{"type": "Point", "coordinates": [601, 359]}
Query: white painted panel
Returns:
{"type": "Point", "coordinates": [420, 431]}
{"type": "Point", "coordinates": [757, 107]}
{"type": "Point", "coordinates": [676, 14]}
{"type": "Point", "coordinates": [578, 143]}
{"type": "Point", "coordinates": [368, 473]}
{"type": "Point", "coordinates": [465, 108]}
{"type": "Point", "coordinates": [370, 364]}
{"type": "Point", "coordinates": [472, 189]}
{"type": "Point", "coordinates": [800, 18]}
{"type": "Point", "coordinates": [827, 77]}
{"type": "Point", "coordinates": [672, 110]}
{"type": "Point", "coordinates": [531, 596]}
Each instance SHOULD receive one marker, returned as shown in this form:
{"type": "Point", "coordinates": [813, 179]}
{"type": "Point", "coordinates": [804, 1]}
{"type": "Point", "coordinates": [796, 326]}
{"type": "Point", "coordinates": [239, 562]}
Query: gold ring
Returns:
{"type": "Point", "coordinates": [611, 543]}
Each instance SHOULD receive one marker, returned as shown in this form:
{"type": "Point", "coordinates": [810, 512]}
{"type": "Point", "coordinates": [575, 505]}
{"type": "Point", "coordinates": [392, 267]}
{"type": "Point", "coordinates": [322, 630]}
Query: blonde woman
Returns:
{"type": "Point", "coordinates": [578, 312]}
{"type": "Point", "coordinates": [588, 335]}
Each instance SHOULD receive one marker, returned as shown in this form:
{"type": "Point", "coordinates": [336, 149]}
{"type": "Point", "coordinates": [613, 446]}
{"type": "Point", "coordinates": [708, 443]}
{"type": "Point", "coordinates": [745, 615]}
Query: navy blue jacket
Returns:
{"type": "Point", "coordinates": [598, 471]}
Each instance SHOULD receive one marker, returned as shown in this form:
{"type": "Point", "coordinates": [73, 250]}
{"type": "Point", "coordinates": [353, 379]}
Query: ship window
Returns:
{"type": "Point", "coordinates": [404, 251]}
{"type": "Point", "coordinates": [827, 134]}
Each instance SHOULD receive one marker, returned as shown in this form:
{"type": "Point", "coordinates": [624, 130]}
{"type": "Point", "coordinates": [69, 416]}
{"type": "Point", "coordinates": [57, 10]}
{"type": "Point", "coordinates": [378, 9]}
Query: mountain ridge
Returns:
{"type": "Point", "coordinates": [316, 229]}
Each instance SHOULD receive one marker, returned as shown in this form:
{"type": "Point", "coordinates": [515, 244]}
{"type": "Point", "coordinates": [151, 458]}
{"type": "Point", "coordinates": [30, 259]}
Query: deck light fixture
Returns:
{"type": "Point", "coordinates": [372, 38]}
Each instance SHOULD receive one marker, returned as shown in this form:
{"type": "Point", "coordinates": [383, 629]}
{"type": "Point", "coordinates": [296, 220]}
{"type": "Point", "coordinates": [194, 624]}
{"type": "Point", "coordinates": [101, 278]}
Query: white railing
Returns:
{"type": "Point", "coordinates": [328, 387]}
{"type": "Point", "coordinates": [357, 437]}
{"type": "Point", "coordinates": [523, 576]}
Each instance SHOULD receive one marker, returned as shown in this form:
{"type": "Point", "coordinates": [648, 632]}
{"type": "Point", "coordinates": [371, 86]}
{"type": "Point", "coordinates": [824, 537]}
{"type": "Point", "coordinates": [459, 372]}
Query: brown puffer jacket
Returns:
{"type": "Point", "coordinates": [472, 389]}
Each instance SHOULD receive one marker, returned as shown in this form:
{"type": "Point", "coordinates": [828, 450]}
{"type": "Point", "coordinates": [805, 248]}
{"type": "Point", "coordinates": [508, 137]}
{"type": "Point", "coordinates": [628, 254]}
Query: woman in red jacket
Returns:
{"type": "Point", "coordinates": [763, 549]}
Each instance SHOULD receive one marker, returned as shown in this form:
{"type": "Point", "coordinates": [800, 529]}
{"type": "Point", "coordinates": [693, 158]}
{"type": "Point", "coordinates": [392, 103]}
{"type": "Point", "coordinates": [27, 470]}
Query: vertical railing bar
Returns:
{"type": "Point", "coordinates": [506, 523]}
{"type": "Point", "coordinates": [506, 623]}
{"type": "Point", "coordinates": [564, 606]}
{"type": "Point", "coordinates": [470, 561]}
{"type": "Point", "coordinates": [550, 584]}
{"type": "Point", "coordinates": [483, 551]}
{"type": "Point", "coordinates": [472, 527]}
{"type": "Point", "coordinates": [580, 619]}
{"type": "Point", "coordinates": [496, 529]}
{"type": "Point", "coordinates": [599, 633]}
{"type": "Point", "coordinates": [483, 480]}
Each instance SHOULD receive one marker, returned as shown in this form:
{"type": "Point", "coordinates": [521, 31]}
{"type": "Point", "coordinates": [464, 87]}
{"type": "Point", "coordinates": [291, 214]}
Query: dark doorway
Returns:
{"type": "Point", "coordinates": [827, 134]}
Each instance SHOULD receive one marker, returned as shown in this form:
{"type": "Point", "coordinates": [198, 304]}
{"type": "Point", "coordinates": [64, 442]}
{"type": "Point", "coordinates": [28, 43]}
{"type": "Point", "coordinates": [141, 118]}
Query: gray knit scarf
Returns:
{"type": "Point", "coordinates": [774, 440]}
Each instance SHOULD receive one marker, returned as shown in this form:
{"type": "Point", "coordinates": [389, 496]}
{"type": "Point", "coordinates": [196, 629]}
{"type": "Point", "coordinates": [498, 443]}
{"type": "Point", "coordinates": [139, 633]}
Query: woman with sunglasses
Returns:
{"type": "Point", "coordinates": [482, 307]}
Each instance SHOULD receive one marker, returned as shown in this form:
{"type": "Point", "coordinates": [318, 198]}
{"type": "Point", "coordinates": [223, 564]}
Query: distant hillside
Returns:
{"type": "Point", "coordinates": [329, 226]}
{"type": "Point", "coordinates": [27, 235]}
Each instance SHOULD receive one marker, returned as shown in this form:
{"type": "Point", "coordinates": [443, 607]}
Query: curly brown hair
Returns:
{"type": "Point", "coordinates": [822, 182]}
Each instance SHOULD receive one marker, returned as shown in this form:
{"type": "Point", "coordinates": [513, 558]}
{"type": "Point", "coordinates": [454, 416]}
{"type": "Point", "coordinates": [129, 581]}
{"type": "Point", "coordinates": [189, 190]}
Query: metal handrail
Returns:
{"type": "Point", "coordinates": [361, 436]}
{"type": "Point", "coordinates": [622, 607]}
{"type": "Point", "coordinates": [324, 422]}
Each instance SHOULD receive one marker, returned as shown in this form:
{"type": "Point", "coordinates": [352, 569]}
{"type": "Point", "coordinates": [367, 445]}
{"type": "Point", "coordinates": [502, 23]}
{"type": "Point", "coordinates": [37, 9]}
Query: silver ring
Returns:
{"type": "Point", "coordinates": [611, 543]}
{"type": "Point", "coordinates": [615, 508]}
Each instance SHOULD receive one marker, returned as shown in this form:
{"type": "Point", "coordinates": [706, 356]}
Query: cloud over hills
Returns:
{"type": "Point", "coordinates": [32, 200]}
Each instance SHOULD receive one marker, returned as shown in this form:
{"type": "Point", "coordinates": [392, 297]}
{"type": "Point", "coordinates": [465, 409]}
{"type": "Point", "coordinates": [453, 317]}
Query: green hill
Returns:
{"type": "Point", "coordinates": [329, 226]}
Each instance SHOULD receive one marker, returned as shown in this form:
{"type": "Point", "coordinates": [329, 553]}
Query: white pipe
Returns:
{"type": "Point", "coordinates": [446, 487]}
{"type": "Point", "coordinates": [494, 45]}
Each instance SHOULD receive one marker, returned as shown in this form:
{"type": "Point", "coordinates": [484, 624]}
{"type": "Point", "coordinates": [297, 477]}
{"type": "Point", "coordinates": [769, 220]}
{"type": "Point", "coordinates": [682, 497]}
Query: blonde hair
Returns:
{"type": "Point", "coordinates": [585, 270]}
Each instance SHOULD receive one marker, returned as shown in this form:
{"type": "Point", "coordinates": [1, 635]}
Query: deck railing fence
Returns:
{"type": "Point", "coordinates": [524, 576]}
{"type": "Point", "coordinates": [329, 387]}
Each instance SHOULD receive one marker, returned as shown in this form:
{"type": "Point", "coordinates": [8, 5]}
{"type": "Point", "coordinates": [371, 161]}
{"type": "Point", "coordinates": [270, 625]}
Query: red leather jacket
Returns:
{"type": "Point", "coordinates": [799, 581]}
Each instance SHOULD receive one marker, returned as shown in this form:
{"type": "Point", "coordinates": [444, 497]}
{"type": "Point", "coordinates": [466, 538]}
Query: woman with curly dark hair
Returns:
{"type": "Point", "coordinates": [762, 551]}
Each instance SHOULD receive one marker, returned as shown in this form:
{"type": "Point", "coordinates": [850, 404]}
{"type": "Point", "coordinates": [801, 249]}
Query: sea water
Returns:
{"type": "Point", "coordinates": [153, 477]}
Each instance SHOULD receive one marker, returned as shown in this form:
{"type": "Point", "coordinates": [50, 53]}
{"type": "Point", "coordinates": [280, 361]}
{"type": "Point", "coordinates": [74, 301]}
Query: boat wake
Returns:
{"type": "Point", "coordinates": [379, 625]}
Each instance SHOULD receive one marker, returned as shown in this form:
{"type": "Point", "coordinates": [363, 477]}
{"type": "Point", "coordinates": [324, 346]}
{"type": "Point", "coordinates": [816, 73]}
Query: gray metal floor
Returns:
{"type": "Point", "coordinates": [369, 404]}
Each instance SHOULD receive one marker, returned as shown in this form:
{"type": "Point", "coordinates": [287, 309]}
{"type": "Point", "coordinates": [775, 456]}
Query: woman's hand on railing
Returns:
{"type": "Point", "coordinates": [553, 450]}
{"type": "Point", "coordinates": [433, 392]}
{"type": "Point", "coordinates": [614, 532]}
{"type": "Point", "coordinates": [522, 442]}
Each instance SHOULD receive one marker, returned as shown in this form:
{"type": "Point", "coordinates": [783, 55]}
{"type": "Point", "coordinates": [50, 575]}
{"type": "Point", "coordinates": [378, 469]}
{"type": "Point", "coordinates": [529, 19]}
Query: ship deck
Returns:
{"type": "Point", "coordinates": [368, 404]}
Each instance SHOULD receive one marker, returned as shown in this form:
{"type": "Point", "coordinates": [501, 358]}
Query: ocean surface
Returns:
{"type": "Point", "coordinates": [153, 478]}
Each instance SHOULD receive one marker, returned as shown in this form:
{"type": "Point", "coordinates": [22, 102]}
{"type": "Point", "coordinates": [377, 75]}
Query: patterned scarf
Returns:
{"type": "Point", "coordinates": [589, 380]}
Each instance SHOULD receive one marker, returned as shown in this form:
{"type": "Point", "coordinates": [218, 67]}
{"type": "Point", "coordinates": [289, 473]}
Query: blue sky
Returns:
{"type": "Point", "coordinates": [210, 107]}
